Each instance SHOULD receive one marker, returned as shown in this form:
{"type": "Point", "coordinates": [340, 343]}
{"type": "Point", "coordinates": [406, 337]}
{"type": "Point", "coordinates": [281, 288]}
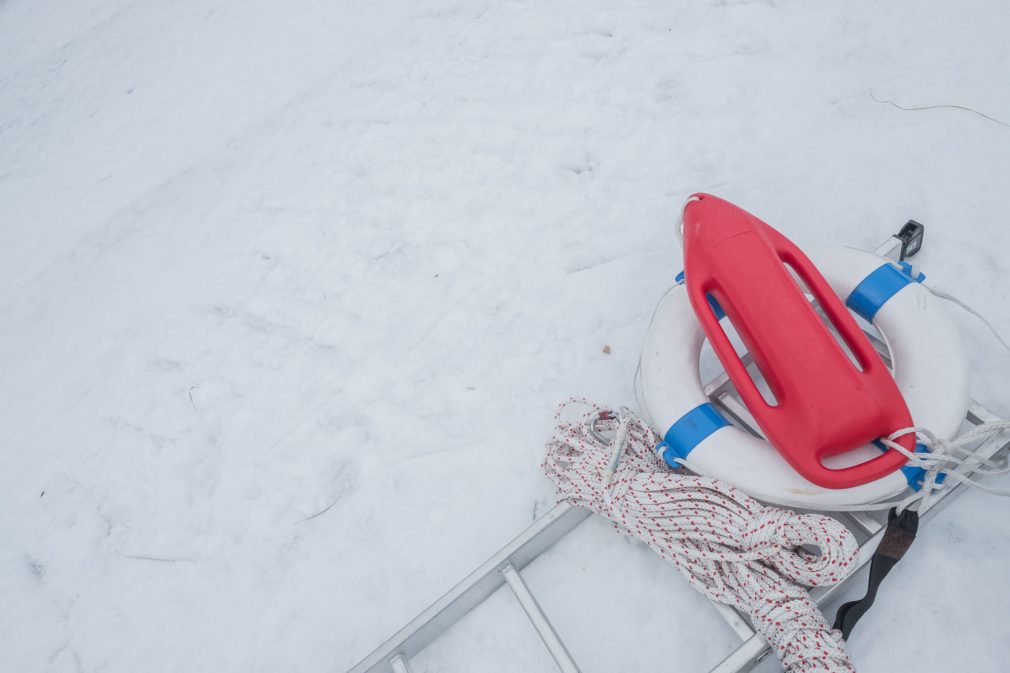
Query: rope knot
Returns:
{"type": "Point", "coordinates": [764, 537]}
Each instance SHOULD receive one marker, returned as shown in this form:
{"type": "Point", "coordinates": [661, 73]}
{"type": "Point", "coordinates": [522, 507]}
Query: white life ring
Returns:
{"type": "Point", "coordinates": [928, 364]}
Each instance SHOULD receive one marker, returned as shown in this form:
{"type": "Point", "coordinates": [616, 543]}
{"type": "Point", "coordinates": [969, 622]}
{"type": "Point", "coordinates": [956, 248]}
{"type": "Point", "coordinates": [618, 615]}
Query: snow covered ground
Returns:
{"type": "Point", "coordinates": [289, 291]}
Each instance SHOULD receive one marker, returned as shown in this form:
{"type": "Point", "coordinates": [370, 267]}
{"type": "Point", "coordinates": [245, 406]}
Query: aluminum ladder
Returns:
{"type": "Point", "coordinates": [505, 566]}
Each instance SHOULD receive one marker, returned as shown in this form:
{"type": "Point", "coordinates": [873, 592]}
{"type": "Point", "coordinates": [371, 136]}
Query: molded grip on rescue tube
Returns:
{"type": "Point", "coordinates": [824, 404]}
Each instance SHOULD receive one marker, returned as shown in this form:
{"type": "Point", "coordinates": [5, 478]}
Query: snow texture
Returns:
{"type": "Point", "coordinates": [289, 291]}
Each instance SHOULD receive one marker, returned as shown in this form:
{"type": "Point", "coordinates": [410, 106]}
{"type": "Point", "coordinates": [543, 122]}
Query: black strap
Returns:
{"type": "Point", "coordinates": [898, 537]}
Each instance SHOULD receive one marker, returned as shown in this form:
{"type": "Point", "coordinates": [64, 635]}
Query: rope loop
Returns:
{"type": "Point", "coordinates": [953, 458]}
{"type": "Point", "coordinates": [763, 538]}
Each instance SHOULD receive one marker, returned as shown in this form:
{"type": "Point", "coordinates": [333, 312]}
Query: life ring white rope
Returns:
{"type": "Point", "coordinates": [954, 300]}
{"type": "Point", "coordinates": [944, 456]}
{"type": "Point", "coordinates": [730, 547]}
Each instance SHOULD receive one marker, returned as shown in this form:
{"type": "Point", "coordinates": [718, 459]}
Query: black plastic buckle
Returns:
{"type": "Point", "coordinates": [911, 238]}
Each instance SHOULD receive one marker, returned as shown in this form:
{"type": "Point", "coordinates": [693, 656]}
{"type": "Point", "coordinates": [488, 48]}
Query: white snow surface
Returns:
{"type": "Point", "coordinates": [289, 292]}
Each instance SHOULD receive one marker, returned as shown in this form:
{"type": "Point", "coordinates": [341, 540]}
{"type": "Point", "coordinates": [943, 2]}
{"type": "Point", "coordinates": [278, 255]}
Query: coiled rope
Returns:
{"type": "Point", "coordinates": [730, 547]}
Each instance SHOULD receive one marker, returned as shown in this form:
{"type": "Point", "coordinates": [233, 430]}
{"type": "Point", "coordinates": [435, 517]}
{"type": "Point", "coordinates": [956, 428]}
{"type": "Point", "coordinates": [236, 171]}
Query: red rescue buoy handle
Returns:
{"type": "Point", "coordinates": [824, 404]}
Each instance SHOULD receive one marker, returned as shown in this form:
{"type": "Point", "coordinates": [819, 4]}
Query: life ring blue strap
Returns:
{"type": "Point", "coordinates": [882, 284]}
{"type": "Point", "coordinates": [689, 431]}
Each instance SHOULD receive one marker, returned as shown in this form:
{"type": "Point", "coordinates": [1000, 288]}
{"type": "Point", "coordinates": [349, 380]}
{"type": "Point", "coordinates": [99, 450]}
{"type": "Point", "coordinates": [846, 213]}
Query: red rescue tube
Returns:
{"type": "Point", "coordinates": [825, 405]}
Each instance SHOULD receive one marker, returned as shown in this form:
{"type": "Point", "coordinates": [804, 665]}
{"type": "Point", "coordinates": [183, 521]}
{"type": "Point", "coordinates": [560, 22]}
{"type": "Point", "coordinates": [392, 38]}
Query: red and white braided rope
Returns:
{"type": "Point", "coordinates": [731, 548]}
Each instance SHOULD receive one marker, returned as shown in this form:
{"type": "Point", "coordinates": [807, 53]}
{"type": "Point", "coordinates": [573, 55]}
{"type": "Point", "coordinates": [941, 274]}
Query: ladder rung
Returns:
{"type": "Point", "coordinates": [744, 657]}
{"type": "Point", "coordinates": [539, 620]}
{"type": "Point", "coordinates": [399, 664]}
{"type": "Point", "coordinates": [736, 621]}
{"type": "Point", "coordinates": [865, 521]}
{"type": "Point", "coordinates": [474, 588]}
